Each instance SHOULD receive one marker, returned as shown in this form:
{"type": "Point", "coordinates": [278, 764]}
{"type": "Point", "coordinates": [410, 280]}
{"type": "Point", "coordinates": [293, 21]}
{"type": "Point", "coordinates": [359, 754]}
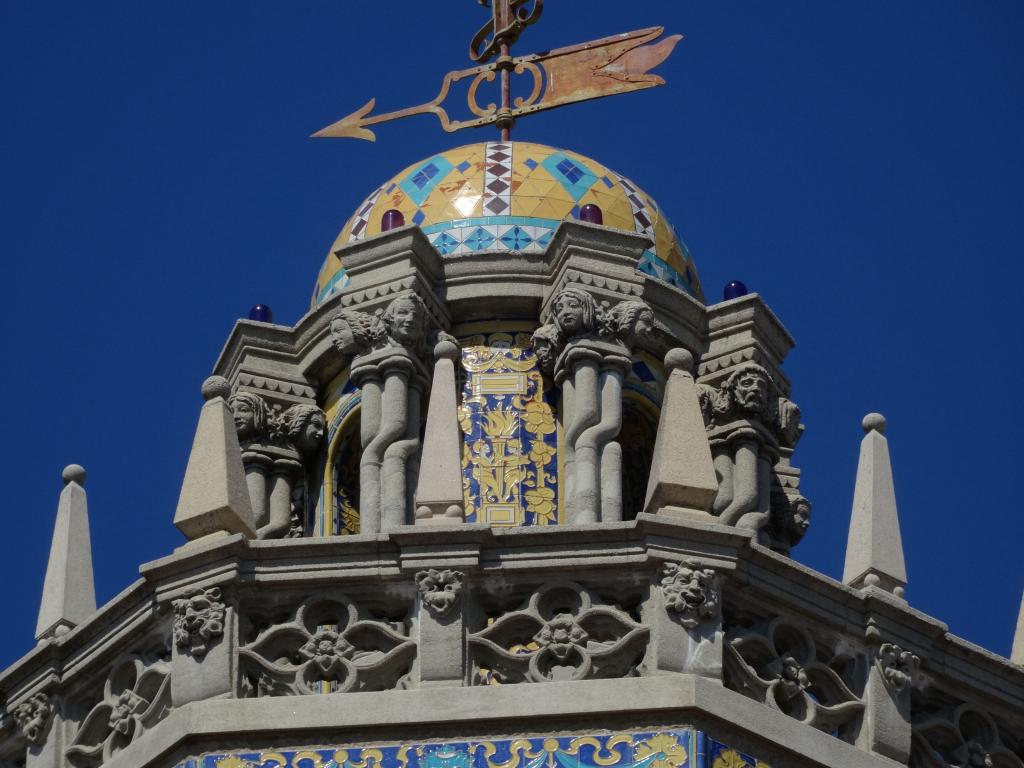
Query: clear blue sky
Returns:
{"type": "Point", "coordinates": [857, 163]}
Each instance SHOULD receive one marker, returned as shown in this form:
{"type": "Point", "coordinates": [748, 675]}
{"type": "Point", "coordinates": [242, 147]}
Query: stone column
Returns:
{"type": "Point", "coordinates": [398, 458]}
{"type": "Point", "coordinates": [439, 496]}
{"type": "Point", "coordinates": [279, 501]}
{"type": "Point", "coordinates": [257, 467]}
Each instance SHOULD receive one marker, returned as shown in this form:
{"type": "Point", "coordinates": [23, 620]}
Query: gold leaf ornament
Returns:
{"type": "Point", "coordinates": [666, 751]}
{"type": "Point", "coordinates": [730, 758]}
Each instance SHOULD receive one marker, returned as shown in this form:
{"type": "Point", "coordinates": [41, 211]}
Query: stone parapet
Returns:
{"type": "Point", "coordinates": [653, 622]}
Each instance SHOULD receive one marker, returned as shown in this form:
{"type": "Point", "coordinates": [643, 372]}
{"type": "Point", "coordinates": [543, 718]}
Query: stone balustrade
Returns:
{"type": "Point", "coordinates": [480, 611]}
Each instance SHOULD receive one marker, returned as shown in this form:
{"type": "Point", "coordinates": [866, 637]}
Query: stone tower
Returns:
{"type": "Point", "coordinates": [511, 494]}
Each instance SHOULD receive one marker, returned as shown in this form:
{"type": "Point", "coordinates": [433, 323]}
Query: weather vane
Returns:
{"type": "Point", "coordinates": [605, 67]}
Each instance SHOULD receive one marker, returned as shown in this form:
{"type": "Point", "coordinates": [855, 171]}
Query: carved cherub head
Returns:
{"type": "Point", "coordinates": [352, 332]}
{"type": "Point", "coordinates": [748, 388]}
{"type": "Point", "coordinates": [546, 342]}
{"type": "Point", "coordinates": [306, 426]}
{"type": "Point", "coordinates": [574, 312]}
{"type": "Point", "coordinates": [632, 322]}
{"type": "Point", "coordinates": [250, 414]}
{"type": "Point", "coordinates": [405, 319]}
{"type": "Point", "coordinates": [798, 520]}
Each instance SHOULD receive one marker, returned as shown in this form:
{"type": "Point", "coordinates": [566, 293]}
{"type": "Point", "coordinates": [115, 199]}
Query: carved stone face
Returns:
{"type": "Point", "coordinates": [569, 314]}
{"type": "Point", "coordinates": [244, 417]}
{"type": "Point", "coordinates": [406, 321]}
{"type": "Point", "coordinates": [800, 520]}
{"type": "Point", "coordinates": [643, 324]}
{"type": "Point", "coordinates": [751, 391]}
{"type": "Point", "coordinates": [546, 351]}
{"type": "Point", "coordinates": [312, 433]}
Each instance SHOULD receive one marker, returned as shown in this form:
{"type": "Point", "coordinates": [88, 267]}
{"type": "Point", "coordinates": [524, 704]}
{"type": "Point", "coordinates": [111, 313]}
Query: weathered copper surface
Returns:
{"type": "Point", "coordinates": [592, 70]}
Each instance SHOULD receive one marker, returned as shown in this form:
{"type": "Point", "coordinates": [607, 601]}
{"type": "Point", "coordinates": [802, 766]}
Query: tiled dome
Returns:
{"type": "Point", "coordinates": [511, 196]}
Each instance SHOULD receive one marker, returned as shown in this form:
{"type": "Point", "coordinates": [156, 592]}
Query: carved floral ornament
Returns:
{"type": "Point", "coordinates": [690, 592]}
{"type": "Point", "coordinates": [778, 664]}
{"type": "Point", "coordinates": [198, 620]}
{"type": "Point", "coordinates": [967, 738]}
{"type": "Point", "coordinates": [439, 590]}
{"type": "Point", "coordinates": [562, 633]}
{"type": "Point", "coordinates": [326, 647]}
{"type": "Point", "coordinates": [33, 717]}
{"type": "Point", "coordinates": [136, 696]}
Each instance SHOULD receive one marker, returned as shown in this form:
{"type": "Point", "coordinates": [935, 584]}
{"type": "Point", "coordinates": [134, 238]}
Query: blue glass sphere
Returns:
{"type": "Point", "coordinates": [733, 290]}
{"type": "Point", "coordinates": [261, 313]}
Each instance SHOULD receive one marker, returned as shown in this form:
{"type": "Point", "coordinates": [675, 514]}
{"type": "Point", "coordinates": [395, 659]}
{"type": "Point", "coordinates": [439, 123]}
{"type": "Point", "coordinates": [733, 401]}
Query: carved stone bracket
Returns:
{"type": "Point", "coordinates": [198, 620]}
{"type": "Point", "coordinates": [690, 592]}
{"type": "Point", "coordinates": [440, 590]}
{"type": "Point", "coordinates": [965, 736]}
{"type": "Point", "coordinates": [33, 717]}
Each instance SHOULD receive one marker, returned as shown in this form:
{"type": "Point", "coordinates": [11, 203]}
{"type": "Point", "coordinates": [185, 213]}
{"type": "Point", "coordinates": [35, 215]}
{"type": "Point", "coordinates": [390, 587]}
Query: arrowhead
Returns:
{"type": "Point", "coordinates": [349, 127]}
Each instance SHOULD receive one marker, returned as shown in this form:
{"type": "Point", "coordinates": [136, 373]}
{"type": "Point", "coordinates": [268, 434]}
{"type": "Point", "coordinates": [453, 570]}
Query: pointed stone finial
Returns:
{"type": "Point", "coordinates": [1017, 654]}
{"type": "Point", "coordinates": [439, 496]}
{"type": "Point", "coordinates": [874, 549]}
{"type": "Point", "coordinates": [69, 596]}
{"type": "Point", "coordinates": [214, 497]}
{"type": "Point", "coordinates": [682, 473]}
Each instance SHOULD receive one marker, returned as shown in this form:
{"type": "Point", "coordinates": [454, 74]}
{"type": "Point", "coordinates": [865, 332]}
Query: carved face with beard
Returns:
{"type": "Point", "coordinates": [750, 390]}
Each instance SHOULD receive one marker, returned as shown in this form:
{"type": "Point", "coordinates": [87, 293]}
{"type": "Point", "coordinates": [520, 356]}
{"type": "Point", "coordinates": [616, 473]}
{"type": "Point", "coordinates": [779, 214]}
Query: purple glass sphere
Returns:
{"type": "Point", "coordinates": [733, 290]}
{"type": "Point", "coordinates": [261, 313]}
{"type": "Point", "coordinates": [591, 214]}
{"type": "Point", "coordinates": [391, 219]}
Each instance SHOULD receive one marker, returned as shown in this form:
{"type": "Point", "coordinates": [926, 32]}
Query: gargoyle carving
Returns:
{"type": "Point", "coordinates": [439, 590]}
{"type": "Point", "coordinates": [33, 717]}
{"type": "Point", "coordinates": [690, 592]}
{"type": "Point", "coordinates": [198, 620]}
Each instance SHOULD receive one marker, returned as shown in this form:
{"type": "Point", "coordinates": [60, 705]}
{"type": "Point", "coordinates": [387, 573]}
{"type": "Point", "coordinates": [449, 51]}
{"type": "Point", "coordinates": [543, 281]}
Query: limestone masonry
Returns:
{"type": "Point", "coordinates": [511, 495]}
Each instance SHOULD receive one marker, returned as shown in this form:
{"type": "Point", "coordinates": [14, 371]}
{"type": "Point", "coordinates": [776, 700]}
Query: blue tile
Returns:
{"type": "Point", "coordinates": [418, 217]}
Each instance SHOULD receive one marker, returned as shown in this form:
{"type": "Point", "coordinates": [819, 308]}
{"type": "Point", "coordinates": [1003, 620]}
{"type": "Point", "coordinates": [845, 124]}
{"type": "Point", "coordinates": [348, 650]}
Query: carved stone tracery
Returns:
{"type": "Point", "coordinates": [325, 646]}
{"type": "Point", "coordinates": [136, 696]}
{"type": "Point", "coordinates": [563, 632]}
{"type": "Point", "coordinates": [779, 664]}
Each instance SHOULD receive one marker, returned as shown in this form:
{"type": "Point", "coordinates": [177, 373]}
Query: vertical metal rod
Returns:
{"type": "Point", "coordinates": [506, 92]}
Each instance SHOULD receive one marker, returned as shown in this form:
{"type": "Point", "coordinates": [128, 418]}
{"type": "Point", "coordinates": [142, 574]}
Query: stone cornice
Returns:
{"type": "Point", "coordinates": [619, 553]}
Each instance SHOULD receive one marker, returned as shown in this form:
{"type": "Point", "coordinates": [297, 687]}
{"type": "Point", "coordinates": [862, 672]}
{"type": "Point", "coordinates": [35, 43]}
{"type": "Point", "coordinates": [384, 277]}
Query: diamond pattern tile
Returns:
{"type": "Point", "coordinates": [511, 196]}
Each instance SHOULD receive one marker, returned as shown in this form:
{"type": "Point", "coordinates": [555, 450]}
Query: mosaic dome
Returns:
{"type": "Point", "coordinates": [511, 196]}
